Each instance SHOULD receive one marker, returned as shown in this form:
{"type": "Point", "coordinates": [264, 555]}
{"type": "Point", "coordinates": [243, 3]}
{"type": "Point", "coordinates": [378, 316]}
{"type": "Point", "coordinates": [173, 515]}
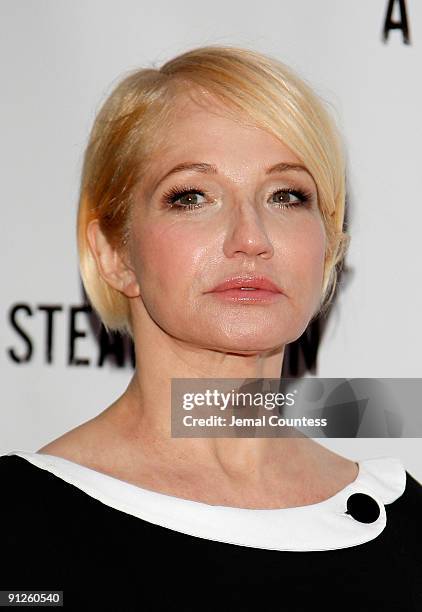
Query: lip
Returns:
{"type": "Point", "coordinates": [260, 283]}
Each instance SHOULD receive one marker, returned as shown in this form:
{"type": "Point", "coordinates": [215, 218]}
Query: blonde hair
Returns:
{"type": "Point", "coordinates": [130, 128]}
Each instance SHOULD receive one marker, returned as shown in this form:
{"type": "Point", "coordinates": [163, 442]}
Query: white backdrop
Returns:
{"type": "Point", "coordinates": [59, 59]}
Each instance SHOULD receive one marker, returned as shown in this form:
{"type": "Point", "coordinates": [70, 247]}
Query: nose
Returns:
{"type": "Point", "coordinates": [247, 234]}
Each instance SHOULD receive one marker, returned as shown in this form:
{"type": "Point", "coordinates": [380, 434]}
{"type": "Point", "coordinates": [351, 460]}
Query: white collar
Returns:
{"type": "Point", "coordinates": [321, 526]}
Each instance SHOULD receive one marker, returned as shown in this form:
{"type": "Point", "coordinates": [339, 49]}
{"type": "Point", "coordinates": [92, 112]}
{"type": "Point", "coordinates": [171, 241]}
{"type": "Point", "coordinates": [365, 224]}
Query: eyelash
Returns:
{"type": "Point", "coordinates": [175, 193]}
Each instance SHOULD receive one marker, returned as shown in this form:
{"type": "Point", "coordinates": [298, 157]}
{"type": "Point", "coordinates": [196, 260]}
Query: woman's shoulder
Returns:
{"type": "Point", "coordinates": [26, 493]}
{"type": "Point", "coordinates": [411, 498]}
{"type": "Point", "coordinates": [14, 472]}
{"type": "Point", "coordinates": [34, 486]}
{"type": "Point", "coordinates": [79, 443]}
{"type": "Point", "coordinates": [19, 478]}
{"type": "Point", "coordinates": [95, 443]}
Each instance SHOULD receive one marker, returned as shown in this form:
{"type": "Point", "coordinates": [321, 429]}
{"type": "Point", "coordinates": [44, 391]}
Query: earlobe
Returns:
{"type": "Point", "coordinates": [110, 263]}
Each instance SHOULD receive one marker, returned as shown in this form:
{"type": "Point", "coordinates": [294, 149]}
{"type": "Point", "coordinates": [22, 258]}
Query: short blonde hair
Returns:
{"type": "Point", "coordinates": [130, 128]}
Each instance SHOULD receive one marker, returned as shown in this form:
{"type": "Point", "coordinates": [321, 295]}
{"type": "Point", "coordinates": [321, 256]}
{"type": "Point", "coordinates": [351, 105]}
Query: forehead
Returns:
{"type": "Point", "coordinates": [203, 125]}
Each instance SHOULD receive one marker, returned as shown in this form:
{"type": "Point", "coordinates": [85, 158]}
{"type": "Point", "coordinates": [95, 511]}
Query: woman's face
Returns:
{"type": "Point", "coordinates": [233, 221]}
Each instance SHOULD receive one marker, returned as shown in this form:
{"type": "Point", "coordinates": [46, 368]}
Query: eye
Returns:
{"type": "Point", "coordinates": [187, 196]}
{"type": "Point", "coordinates": [284, 197]}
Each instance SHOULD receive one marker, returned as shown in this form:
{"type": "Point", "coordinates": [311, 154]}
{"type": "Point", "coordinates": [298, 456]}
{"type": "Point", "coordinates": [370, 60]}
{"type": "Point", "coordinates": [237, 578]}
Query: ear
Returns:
{"type": "Point", "coordinates": [110, 263]}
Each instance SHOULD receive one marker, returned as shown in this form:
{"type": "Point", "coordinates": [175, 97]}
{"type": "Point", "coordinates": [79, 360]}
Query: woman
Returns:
{"type": "Point", "coordinates": [221, 165]}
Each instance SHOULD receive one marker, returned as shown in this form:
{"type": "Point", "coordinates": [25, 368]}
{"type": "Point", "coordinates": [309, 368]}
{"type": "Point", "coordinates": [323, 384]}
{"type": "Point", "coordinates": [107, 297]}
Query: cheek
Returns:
{"type": "Point", "coordinates": [304, 260]}
{"type": "Point", "coordinates": [312, 253]}
{"type": "Point", "coordinates": [169, 257]}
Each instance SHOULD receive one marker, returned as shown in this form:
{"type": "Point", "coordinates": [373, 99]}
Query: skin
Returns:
{"type": "Point", "coordinates": [173, 258]}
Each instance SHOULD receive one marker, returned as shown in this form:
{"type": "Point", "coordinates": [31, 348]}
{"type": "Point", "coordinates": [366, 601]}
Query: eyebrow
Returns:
{"type": "Point", "coordinates": [205, 168]}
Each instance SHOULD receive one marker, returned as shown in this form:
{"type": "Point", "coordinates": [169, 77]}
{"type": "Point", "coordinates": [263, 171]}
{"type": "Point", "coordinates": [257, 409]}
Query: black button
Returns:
{"type": "Point", "coordinates": [363, 508]}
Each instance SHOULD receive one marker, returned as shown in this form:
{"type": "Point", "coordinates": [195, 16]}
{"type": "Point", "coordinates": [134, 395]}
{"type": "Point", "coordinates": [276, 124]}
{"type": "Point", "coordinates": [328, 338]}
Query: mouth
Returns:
{"type": "Point", "coordinates": [248, 283]}
{"type": "Point", "coordinates": [247, 289]}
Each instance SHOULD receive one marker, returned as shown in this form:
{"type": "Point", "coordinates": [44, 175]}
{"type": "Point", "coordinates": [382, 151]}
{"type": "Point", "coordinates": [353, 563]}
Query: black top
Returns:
{"type": "Point", "coordinates": [56, 536]}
